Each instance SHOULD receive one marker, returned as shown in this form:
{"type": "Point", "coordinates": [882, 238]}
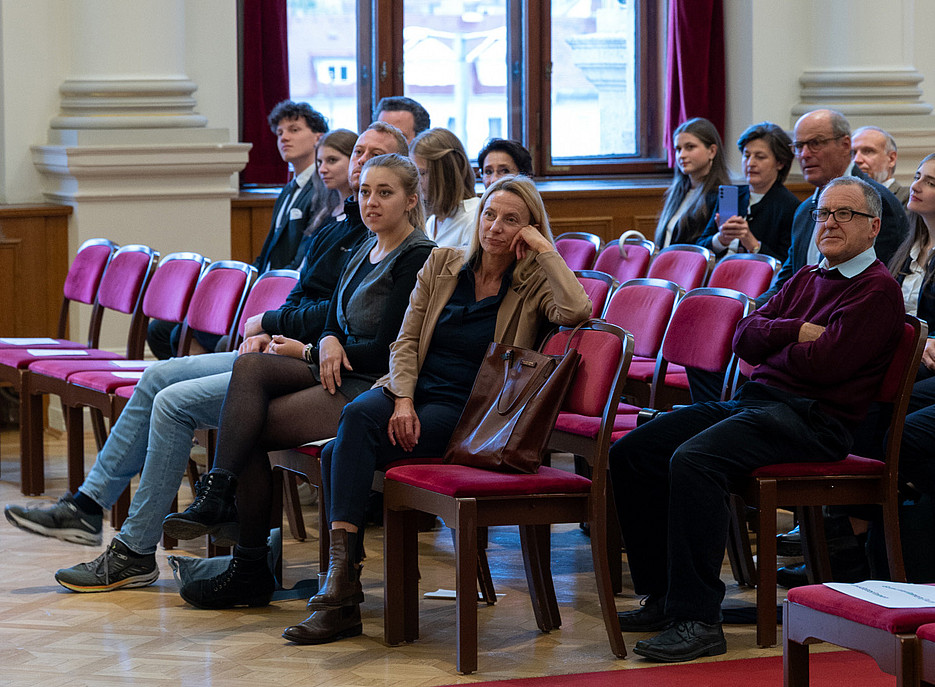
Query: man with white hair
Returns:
{"type": "Point", "coordinates": [875, 154]}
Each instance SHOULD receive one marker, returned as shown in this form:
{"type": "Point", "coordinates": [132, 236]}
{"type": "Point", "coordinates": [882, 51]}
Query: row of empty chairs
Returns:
{"type": "Point", "coordinates": [687, 265]}
{"type": "Point", "coordinates": [186, 288]}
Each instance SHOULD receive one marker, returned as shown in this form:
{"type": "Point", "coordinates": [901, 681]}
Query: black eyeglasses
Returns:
{"type": "Point", "coordinates": [841, 215]}
{"type": "Point", "coordinates": [814, 144]}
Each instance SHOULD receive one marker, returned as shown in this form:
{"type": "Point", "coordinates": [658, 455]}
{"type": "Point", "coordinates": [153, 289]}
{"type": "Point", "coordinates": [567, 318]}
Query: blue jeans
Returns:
{"type": "Point", "coordinates": [154, 435]}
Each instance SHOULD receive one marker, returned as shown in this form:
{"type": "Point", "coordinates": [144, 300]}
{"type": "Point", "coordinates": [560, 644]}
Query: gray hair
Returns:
{"type": "Point", "coordinates": [890, 145]}
{"type": "Point", "coordinates": [871, 197]}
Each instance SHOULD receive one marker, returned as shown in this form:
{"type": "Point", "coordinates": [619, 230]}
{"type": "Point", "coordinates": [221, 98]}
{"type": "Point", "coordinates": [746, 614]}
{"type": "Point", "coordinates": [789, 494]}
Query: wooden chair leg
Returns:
{"type": "Point", "coordinates": [74, 423]}
{"type": "Point", "coordinates": [534, 577]}
{"type": "Point", "coordinates": [794, 656]}
{"type": "Point", "coordinates": [292, 506]}
{"type": "Point", "coordinates": [766, 565]}
{"type": "Point", "coordinates": [169, 543]}
{"type": "Point", "coordinates": [614, 545]}
{"type": "Point", "coordinates": [98, 427]}
{"type": "Point", "coordinates": [466, 585]}
{"type": "Point", "coordinates": [814, 544]}
{"type": "Point", "coordinates": [602, 575]}
{"type": "Point", "coordinates": [739, 551]}
{"type": "Point", "coordinates": [32, 428]}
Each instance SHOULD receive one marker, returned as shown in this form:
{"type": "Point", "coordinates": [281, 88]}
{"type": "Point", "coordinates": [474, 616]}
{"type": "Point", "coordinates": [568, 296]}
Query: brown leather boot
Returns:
{"type": "Point", "coordinates": [322, 627]}
{"type": "Point", "coordinates": [342, 586]}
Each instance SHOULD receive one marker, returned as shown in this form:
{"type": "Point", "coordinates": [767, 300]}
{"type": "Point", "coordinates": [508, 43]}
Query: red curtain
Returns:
{"type": "Point", "coordinates": [695, 75]}
{"type": "Point", "coordinates": [264, 82]}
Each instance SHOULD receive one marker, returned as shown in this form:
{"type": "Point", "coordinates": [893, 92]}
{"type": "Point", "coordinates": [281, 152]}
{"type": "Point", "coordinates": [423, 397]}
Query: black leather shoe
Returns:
{"type": "Point", "coordinates": [649, 617]}
{"type": "Point", "coordinates": [212, 512]}
{"type": "Point", "coordinates": [790, 543]}
{"type": "Point", "coordinates": [684, 640]}
{"type": "Point", "coordinates": [322, 627]}
{"type": "Point", "coordinates": [790, 576]}
{"type": "Point", "coordinates": [244, 583]}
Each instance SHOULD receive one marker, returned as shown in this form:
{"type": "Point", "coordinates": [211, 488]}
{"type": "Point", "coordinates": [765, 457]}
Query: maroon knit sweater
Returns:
{"type": "Point", "coordinates": [844, 367]}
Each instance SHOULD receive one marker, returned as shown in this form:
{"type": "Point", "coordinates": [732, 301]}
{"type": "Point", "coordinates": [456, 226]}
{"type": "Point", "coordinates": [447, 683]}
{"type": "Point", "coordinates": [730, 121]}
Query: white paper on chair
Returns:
{"type": "Point", "coordinates": [29, 341]}
{"type": "Point", "coordinates": [127, 375]}
{"type": "Point", "coordinates": [889, 594]}
{"type": "Point", "coordinates": [451, 594]}
{"type": "Point", "coordinates": [55, 352]}
{"type": "Point", "coordinates": [133, 363]}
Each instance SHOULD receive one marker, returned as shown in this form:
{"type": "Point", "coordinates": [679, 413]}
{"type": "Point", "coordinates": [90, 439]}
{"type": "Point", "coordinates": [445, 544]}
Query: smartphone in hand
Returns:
{"type": "Point", "coordinates": [732, 200]}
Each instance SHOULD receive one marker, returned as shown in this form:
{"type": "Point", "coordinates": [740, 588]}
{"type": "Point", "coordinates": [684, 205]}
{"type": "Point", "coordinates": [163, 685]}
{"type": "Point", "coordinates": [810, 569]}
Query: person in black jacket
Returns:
{"type": "Point", "coordinates": [298, 129]}
{"type": "Point", "coordinates": [823, 146]}
{"type": "Point", "coordinates": [767, 226]}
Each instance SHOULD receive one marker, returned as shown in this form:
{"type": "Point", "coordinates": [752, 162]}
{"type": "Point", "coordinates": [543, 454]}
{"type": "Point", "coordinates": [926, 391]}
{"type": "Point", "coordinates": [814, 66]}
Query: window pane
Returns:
{"type": "Point", "coordinates": [323, 58]}
{"type": "Point", "coordinates": [454, 56]}
{"type": "Point", "coordinates": [593, 78]}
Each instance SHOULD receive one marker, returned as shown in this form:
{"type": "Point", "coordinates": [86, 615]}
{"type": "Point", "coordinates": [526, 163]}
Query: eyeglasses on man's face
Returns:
{"type": "Point", "coordinates": [841, 215]}
{"type": "Point", "coordinates": [814, 144]}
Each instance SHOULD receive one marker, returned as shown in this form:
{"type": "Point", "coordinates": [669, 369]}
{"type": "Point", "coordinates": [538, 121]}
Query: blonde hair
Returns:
{"type": "Point", "coordinates": [522, 187]}
{"type": "Point", "coordinates": [451, 176]}
{"type": "Point", "coordinates": [408, 175]}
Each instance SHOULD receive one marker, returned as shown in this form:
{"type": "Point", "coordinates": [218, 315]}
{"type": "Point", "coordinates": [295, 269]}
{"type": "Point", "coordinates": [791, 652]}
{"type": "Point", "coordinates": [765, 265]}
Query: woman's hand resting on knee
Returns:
{"type": "Point", "coordinates": [331, 358]}
{"type": "Point", "coordinates": [404, 427]}
{"type": "Point", "coordinates": [280, 345]}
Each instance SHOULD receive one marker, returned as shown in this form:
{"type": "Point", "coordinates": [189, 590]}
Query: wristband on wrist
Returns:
{"type": "Point", "coordinates": [308, 352]}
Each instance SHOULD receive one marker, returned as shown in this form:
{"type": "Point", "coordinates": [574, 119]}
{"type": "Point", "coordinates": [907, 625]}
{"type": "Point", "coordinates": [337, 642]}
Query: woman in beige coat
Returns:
{"type": "Point", "coordinates": [509, 285]}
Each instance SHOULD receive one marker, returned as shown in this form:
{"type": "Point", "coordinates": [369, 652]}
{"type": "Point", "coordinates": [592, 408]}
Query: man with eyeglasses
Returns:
{"type": "Point", "coordinates": [822, 144]}
{"type": "Point", "coordinates": [817, 367]}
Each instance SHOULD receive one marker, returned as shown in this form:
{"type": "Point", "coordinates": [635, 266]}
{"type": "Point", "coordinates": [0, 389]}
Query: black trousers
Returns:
{"type": "Point", "coordinates": [916, 458]}
{"type": "Point", "coordinates": [673, 476]}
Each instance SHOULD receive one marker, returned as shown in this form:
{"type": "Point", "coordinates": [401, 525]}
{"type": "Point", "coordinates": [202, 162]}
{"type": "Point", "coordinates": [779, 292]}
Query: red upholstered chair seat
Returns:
{"type": "Point", "coordinates": [851, 465]}
{"type": "Point", "coordinates": [588, 426]}
{"type": "Point", "coordinates": [21, 359]}
{"type": "Point", "coordinates": [64, 369]}
{"type": "Point", "coordinates": [833, 602]}
{"type": "Point", "coordinates": [642, 369]}
{"type": "Point", "coordinates": [105, 382]}
{"type": "Point", "coordinates": [461, 481]}
{"type": "Point", "coordinates": [926, 632]}
{"type": "Point", "coordinates": [124, 391]}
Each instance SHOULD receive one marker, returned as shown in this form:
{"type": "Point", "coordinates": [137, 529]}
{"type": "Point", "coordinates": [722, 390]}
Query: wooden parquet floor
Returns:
{"type": "Point", "coordinates": [50, 636]}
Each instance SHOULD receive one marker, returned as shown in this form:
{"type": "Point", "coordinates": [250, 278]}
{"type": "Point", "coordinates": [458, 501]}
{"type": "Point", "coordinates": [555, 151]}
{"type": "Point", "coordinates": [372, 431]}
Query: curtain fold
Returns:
{"type": "Point", "coordinates": [695, 77]}
{"type": "Point", "coordinates": [264, 82]}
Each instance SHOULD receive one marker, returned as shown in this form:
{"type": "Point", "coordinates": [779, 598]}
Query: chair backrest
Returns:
{"type": "Point", "coordinates": [122, 288]}
{"type": "Point", "coordinates": [217, 301]}
{"type": "Point", "coordinates": [597, 285]}
{"type": "Point", "coordinates": [643, 307]}
{"type": "Point", "coordinates": [685, 264]}
{"type": "Point", "coordinates": [629, 260]}
{"type": "Point", "coordinates": [701, 332]}
{"type": "Point", "coordinates": [606, 351]}
{"type": "Point", "coordinates": [268, 292]}
{"type": "Point", "coordinates": [578, 248]}
{"type": "Point", "coordinates": [84, 278]}
{"type": "Point", "coordinates": [171, 288]}
{"type": "Point", "coordinates": [749, 273]}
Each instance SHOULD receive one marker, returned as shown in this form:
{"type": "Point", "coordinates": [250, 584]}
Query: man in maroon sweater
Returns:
{"type": "Point", "coordinates": [821, 346]}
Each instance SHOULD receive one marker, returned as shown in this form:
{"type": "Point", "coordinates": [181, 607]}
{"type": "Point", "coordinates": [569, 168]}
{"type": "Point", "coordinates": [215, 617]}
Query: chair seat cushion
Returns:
{"type": "Point", "coordinates": [59, 343]}
{"type": "Point", "coordinates": [589, 426]}
{"type": "Point", "coordinates": [642, 369]}
{"type": "Point", "coordinates": [926, 632]}
{"type": "Point", "coordinates": [677, 379]}
{"type": "Point", "coordinates": [851, 465]}
{"type": "Point", "coordinates": [20, 359]}
{"type": "Point", "coordinates": [460, 481]}
{"type": "Point", "coordinates": [64, 369]}
{"type": "Point", "coordinates": [125, 391]}
{"type": "Point", "coordinates": [105, 382]}
{"type": "Point", "coordinates": [827, 600]}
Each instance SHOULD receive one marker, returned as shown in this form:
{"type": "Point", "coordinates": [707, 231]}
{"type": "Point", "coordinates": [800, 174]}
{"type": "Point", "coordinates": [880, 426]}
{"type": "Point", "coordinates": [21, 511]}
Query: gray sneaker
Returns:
{"type": "Point", "coordinates": [117, 567]}
{"type": "Point", "coordinates": [63, 521]}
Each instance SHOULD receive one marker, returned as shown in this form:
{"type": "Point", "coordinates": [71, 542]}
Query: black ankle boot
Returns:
{"type": "Point", "coordinates": [212, 512]}
{"type": "Point", "coordinates": [342, 586]}
{"type": "Point", "coordinates": [246, 582]}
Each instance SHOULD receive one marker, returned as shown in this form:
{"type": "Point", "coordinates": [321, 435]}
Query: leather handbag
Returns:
{"type": "Point", "coordinates": [512, 408]}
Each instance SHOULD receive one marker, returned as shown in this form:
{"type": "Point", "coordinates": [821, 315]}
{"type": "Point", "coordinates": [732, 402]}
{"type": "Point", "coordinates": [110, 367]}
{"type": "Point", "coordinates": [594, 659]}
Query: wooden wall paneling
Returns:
{"type": "Point", "coordinates": [34, 261]}
{"type": "Point", "coordinates": [251, 214]}
{"type": "Point", "coordinates": [602, 226]}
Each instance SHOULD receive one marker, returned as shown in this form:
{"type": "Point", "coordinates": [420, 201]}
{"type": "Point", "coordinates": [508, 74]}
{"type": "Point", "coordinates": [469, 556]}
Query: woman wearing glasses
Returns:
{"type": "Point", "coordinates": [767, 227]}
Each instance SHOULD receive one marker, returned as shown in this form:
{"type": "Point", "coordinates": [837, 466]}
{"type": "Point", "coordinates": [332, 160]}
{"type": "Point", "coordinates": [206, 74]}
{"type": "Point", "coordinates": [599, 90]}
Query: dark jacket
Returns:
{"type": "Point", "coordinates": [281, 247]}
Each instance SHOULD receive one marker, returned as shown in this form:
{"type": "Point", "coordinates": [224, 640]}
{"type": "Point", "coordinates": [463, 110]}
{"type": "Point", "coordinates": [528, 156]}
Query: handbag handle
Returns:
{"type": "Point", "coordinates": [507, 359]}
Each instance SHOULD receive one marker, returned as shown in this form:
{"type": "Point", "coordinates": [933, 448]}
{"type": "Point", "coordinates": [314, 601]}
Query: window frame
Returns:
{"type": "Point", "coordinates": [380, 74]}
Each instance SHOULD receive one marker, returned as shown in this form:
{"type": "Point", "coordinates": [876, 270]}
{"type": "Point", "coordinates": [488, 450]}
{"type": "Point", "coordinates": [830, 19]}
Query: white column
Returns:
{"type": "Point", "coordinates": [128, 149]}
{"type": "Point", "coordinates": [868, 71]}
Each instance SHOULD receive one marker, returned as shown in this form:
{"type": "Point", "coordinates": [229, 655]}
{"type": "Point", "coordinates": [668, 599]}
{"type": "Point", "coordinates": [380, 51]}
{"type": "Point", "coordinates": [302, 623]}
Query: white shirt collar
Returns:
{"type": "Point", "coordinates": [302, 178]}
{"type": "Point", "coordinates": [851, 268]}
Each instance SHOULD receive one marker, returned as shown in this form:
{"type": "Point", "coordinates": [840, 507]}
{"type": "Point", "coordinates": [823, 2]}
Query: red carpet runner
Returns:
{"type": "Point", "coordinates": [830, 669]}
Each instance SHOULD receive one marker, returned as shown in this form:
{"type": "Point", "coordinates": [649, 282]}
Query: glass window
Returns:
{"type": "Point", "coordinates": [593, 84]}
{"type": "Point", "coordinates": [323, 57]}
{"type": "Point", "coordinates": [454, 57]}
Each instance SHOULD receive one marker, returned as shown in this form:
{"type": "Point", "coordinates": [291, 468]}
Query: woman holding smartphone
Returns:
{"type": "Point", "coordinates": [766, 227]}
